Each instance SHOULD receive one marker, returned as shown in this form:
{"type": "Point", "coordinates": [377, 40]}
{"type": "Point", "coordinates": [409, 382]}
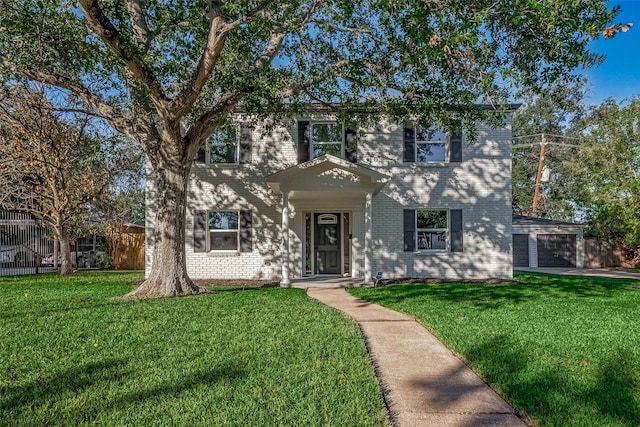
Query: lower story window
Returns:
{"type": "Point", "coordinates": [224, 231]}
{"type": "Point", "coordinates": [432, 229]}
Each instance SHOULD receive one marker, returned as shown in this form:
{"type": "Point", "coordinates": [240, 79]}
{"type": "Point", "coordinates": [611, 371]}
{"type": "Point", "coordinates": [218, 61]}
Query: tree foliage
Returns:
{"type": "Point", "coordinates": [609, 169]}
{"type": "Point", "coordinates": [550, 114]}
{"type": "Point", "coordinates": [168, 73]}
{"type": "Point", "coordinates": [51, 165]}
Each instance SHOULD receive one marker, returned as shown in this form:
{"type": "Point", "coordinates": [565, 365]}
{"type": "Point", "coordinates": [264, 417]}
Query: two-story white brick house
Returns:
{"type": "Point", "coordinates": [315, 198]}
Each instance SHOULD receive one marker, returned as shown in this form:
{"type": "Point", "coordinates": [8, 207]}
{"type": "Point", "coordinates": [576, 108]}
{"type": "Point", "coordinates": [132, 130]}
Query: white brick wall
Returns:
{"type": "Point", "coordinates": [480, 186]}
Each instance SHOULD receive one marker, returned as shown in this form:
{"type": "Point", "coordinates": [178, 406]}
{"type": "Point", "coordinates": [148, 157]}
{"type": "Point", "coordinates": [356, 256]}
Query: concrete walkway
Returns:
{"type": "Point", "coordinates": [423, 382]}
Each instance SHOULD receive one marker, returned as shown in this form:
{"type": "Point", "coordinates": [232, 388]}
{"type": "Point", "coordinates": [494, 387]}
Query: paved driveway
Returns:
{"type": "Point", "coordinates": [601, 272]}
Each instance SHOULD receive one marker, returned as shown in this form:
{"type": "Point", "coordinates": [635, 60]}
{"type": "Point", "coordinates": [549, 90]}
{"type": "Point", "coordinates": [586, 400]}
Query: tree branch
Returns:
{"type": "Point", "coordinates": [111, 36]}
{"type": "Point", "coordinates": [207, 121]}
{"type": "Point", "coordinates": [138, 9]}
{"type": "Point", "coordinates": [139, 130]}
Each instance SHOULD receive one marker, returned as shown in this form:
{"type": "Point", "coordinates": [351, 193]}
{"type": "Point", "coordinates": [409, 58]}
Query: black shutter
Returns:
{"type": "Point", "coordinates": [409, 230]}
{"type": "Point", "coordinates": [246, 244]}
{"type": "Point", "coordinates": [304, 139]}
{"type": "Point", "coordinates": [456, 147]}
{"type": "Point", "coordinates": [200, 231]}
{"type": "Point", "coordinates": [456, 230]}
{"type": "Point", "coordinates": [351, 145]}
{"type": "Point", "coordinates": [409, 145]}
{"type": "Point", "coordinates": [201, 156]}
{"type": "Point", "coordinates": [244, 145]}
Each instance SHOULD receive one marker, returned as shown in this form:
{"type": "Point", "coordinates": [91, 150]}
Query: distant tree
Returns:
{"type": "Point", "coordinates": [119, 208]}
{"type": "Point", "coordinates": [609, 169]}
{"type": "Point", "coordinates": [52, 164]}
{"type": "Point", "coordinates": [552, 113]}
{"type": "Point", "coordinates": [168, 74]}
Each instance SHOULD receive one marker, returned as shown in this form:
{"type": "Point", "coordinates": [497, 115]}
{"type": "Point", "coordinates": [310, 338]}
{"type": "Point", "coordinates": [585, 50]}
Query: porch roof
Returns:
{"type": "Point", "coordinates": [329, 176]}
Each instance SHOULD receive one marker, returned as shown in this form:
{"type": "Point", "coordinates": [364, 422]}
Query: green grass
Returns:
{"type": "Point", "coordinates": [565, 350]}
{"type": "Point", "coordinates": [72, 354]}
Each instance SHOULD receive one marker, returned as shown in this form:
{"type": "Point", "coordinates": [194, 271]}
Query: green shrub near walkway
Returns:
{"type": "Point", "coordinates": [71, 353]}
{"type": "Point", "coordinates": [565, 350]}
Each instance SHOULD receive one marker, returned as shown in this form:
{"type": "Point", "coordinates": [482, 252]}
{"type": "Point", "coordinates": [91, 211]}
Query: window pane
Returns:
{"type": "Point", "coordinates": [431, 152]}
{"type": "Point", "coordinates": [223, 145]}
{"type": "Point", "coordinates": [223, 153]}
{"type": "Point", "coordinates": [432, 240]}
{"type": "Point", "coordinates": [224, 241]}
{"type": "Point", "coordinates": [431, 133]}
{"type": "Point", "coordinates": [223, 220]}
{"type": "Point", "coordinates": [326, 132]}
{"type": "Point", "coordinates": [432, 219]}
{"type": "Point", "coordinates": [333, 149]}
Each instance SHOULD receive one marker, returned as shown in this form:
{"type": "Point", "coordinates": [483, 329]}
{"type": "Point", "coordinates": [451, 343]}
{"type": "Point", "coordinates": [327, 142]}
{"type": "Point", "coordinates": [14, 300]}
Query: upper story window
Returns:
{"type": "Point", "coordinates": [432, 227]}
{"type": "Point", "coordinates": [430, 145]}
{"type": "Point", "coordinates": [223, 145]}
{"type": "Point", "coordinates": [327, 138]}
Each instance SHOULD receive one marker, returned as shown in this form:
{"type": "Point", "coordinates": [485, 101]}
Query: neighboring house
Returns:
{"type": "Point", "coordinates": [541, 242]}
{"type": "Point", "coordinates": [315, 198]}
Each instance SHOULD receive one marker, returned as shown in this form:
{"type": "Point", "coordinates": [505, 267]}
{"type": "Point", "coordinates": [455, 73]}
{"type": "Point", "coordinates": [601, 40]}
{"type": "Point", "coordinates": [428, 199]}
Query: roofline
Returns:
{"type": "Point", "coordinates": [541, 222]}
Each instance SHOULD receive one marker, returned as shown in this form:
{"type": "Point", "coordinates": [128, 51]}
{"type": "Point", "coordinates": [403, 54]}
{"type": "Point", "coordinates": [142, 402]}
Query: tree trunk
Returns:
{"type": "Point", "coordinates": [168, 276]}
{"type": "Point", "coordinates": [66, 267]}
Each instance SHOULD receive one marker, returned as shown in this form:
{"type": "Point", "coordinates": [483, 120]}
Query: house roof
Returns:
{"type": "Point", "coordinates": [328, 174]}
{"type": "Point", "coordinates": [530, 220]}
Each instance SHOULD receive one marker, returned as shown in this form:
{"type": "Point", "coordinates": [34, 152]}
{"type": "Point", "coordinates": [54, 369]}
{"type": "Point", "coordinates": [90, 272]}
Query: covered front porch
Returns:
{"type": "Point", "coordinates": [327, 205]}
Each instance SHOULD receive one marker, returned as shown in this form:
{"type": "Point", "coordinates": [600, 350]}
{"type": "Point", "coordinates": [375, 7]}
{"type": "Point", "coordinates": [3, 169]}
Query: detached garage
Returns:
{"type": "Point", "coordinates": [540, 242]}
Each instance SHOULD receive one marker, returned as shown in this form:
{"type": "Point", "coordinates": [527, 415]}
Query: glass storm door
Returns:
{"type": "Point", "coordinates": [327, 243]}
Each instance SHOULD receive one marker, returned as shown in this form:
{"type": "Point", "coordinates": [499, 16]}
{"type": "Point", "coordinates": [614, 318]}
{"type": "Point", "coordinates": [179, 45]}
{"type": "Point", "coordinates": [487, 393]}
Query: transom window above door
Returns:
{"type": "Point", "coordinates": [431, 145]}
{"type": "Point", "coordinates": [327, 138]}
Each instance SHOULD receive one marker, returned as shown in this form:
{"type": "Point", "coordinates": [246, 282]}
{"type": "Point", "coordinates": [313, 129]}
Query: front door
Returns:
{"type": "Point", "coordinates": [327, 243]}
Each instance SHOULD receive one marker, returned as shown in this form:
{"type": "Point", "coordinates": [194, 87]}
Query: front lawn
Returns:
{"type": "Point", "coordinates": [565, 350]}
{"type": "Point", "coordinates": [71, 353]}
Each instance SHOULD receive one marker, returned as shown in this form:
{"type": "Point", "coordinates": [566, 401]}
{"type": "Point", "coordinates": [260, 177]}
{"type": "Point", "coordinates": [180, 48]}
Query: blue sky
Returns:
{"type": "Point", "coordinates": [619, 75]}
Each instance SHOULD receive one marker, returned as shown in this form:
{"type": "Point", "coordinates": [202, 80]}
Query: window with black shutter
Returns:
{"type": "Point", "coordinates": [409, 154]}
{"type": "Point", "coordinates": [351, 145]}
{"type": "Point", "coordinates": [304, 139]}
{"type": "Point", "coordinates": [456, 230]}
{"type": "Point", "coordinates": [409, 227]}
{"type": "Point", "coordinates": [244, 144]}
{"type": "Point", "coordinates": [222, 231]}
{"type": "Point", "coordinates": [429, 145]}
{"type": "Point", "coordinates": [246, 238]}
{"type": "Point", "coordinates": [455, 143]}
{"type": "Point", "coordinates": [200, 231]}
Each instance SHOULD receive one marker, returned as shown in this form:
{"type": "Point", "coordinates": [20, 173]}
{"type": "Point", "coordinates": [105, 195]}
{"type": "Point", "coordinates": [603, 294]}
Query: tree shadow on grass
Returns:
{"type": "Point", "coordinates": [46, 387]}
{"type": "Point", "coordinates": [490, 296]}
{"type": "Point", "coordinates": [553, 394]}
{"type": "Point", "coordinates": [48, 390]}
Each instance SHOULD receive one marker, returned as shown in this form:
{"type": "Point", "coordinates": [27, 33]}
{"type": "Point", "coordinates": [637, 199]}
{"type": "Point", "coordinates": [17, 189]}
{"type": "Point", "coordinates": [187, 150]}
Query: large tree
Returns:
{"type": "Point", "coordinates": [52, 165]}
{"type": "Point", "coordinates": [168, 73]}
{"type": "Point", "coordinates": [608, 167]}
{"type": "Point", "coordinates": [549, 115]}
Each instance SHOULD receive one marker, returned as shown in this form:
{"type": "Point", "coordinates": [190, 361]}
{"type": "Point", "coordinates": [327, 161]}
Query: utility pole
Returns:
{"type": "Point", "coordinates": [543, 143]}
{"type": "Point", "coordinates": [536, 193]}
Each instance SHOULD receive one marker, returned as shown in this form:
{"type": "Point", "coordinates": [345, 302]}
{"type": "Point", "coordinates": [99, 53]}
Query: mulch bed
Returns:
{"type": "Point", "coordinates": [245, 283]}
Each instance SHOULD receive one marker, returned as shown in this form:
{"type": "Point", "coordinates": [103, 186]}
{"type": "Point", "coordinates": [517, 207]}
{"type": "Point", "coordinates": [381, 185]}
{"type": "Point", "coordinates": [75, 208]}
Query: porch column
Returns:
{"type": "Point", "coordinates": [285, 282]}
{"type": "Point", "coordinates": [367, 239]}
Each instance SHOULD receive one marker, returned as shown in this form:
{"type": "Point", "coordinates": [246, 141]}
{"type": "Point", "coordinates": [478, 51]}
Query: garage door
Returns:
{"type": "Point", "coordinates": [521, 250]}
{"type": "Point", "coordinates": [556, 250]}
